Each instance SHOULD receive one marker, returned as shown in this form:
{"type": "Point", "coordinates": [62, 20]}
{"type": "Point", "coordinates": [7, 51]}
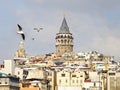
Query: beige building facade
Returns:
{"type": "Point", "coordinates": [113, 80]}
{"type": "Point", "coordinates": [70, 78]}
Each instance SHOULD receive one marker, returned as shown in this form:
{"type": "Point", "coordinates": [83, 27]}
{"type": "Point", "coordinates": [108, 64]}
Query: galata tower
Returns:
{"type": "Point", "coordinates": [64, 39]}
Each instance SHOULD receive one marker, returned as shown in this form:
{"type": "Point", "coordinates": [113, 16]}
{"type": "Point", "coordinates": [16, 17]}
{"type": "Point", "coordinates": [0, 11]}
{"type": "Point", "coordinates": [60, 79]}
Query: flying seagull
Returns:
{"type": "Point", "coordinates": [20, 31]}
{"type": "Point", "coordinates": [38, 29]}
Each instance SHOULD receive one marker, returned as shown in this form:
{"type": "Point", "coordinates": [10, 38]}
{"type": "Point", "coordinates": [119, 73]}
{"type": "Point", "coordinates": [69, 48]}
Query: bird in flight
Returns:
{"type": "Point", "coordinates": [20, 31]}
{"type": "Point", "coordinates": [38, 29]}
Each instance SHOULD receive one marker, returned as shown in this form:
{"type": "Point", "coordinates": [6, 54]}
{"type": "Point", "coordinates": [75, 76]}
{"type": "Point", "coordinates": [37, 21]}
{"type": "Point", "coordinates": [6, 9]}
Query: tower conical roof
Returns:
{"type": "Point", "coordinates": [64, 27]}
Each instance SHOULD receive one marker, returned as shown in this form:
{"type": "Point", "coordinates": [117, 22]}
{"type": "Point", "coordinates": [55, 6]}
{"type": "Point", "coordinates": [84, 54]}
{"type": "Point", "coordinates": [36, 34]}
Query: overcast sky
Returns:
{"type": "Point", "coordinates": [95, 25]}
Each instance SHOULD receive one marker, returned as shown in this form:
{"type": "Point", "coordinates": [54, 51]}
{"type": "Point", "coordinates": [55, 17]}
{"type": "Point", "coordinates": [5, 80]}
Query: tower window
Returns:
{"type": "Point", "coordinates": [68, 41]}
{"type": "Point", "coordinates": [61, 36]}
{"type": "Point", "coordinates": [61, 41]}
{"type": "Point", "coordinates": [65, 41]}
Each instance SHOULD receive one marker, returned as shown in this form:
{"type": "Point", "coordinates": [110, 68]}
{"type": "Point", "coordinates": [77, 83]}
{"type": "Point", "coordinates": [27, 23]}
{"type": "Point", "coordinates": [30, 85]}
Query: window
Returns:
{"type": "Point", "coordinates": [63, 75]}
{"type": "Point", "coordinates": [111, 74]}
{"type": "Point", "coordinates": [73, 75]}
{"type": "Point", "coordinates": [81, 75]}
{"type": "Point", "coordinates": [5, 82]}
{"type": "Point", "coordinates": [65, 41]}
{"type": "Point", "coordinates": [62, 41]}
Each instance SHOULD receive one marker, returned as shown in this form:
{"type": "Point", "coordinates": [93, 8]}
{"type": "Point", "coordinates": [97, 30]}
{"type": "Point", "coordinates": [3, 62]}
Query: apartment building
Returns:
{"type": "Point", "coordinates": [8, 82]}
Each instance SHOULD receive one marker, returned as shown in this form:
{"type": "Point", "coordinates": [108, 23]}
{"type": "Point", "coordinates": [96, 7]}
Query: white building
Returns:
{"type": "Point", "coordinates": [9, 66]}
{"type": "Point", "coordinates": [113, 80]}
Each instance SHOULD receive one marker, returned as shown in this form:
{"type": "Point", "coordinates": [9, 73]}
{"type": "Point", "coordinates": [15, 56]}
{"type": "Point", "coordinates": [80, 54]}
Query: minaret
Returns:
{"type": "Point", "coordinates": [20, 53]}
{"type": "Point", "coordinates": [64, 40]}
